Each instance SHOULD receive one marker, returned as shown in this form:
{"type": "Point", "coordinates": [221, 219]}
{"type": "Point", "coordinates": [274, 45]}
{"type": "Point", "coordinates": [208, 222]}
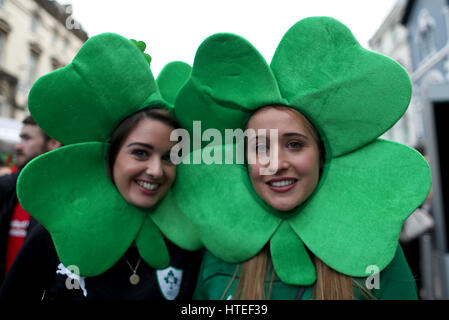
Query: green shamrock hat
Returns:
{"type": "Point", "coordinates": [68, 190]}
{"type": "Point", "coordinates": [171, 79]}
{"type": "Point", "coordinates": [368, 187]}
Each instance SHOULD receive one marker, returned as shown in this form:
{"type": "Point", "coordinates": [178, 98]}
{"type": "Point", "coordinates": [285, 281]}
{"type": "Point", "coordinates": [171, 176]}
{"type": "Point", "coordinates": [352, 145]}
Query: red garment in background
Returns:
{"type": "Point", "coordinates": [17, 234]}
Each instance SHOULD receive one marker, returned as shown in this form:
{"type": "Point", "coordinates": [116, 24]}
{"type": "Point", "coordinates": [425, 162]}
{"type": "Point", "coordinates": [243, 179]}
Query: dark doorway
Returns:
{"type": "Point", "coordinates": [441, 121]}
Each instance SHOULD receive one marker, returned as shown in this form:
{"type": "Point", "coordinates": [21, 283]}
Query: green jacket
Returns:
{"type": "Point", "coordinates": [395, 282]}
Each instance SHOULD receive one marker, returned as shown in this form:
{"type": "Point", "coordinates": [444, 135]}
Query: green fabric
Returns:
{"type": "Point", "coordinates": [142, 46]}
{"type": "Point", "coordinates": [68, 190]}
{"type": "Point", "coordinates": [171, 78]}
{"type": "Point", "coordinates": [220, 91]}
{"type": "Point", "coordinates": [363, 201]}
{"type": "Point", "coordinates": [396, 282]}
{"type": "Point", "coordinates": [368, 187]}
{"type": "Point", "coordinates": [88, 103]}
{"type": "Point", "coordinates": [230, 223]}
{"type": "Point", "coordinates": [290, 257]}
{"type": "Point", "coordinates": [354, 95]}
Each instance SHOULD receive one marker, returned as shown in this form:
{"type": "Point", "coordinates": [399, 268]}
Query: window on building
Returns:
{"type": "Point", "coordinates": [3, 105]}
{"type": "Point", "coordinates": [426, 33]}
{"type": "Point", "coordinates": [397, 35]}
{"type": "Point", "coordinates": [65, 45]}
{"type": "Point", "coordinates": [4, 30]}
{"type": "Point", "coordinates": [34, 22]}
{"type": "Point", "coordinates": [33, 60]}
{"type": "Point", "coordinates": [32, 67]}
{"type": "Point", "coordinates": [54, 38]}
{"type": "Point", "coordinates": [2, 46]}
{"type": "Point", "coordinates": [56, 64]}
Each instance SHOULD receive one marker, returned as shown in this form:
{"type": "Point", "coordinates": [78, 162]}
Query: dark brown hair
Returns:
{"type": "Point", "coordinates": [31, 122]}
{"type": "Point", "coordinates": [124, 128]}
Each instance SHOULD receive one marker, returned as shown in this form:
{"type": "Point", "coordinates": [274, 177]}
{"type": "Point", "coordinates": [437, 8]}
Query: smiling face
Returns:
{"type": "Point", "coordinates": [298, 157]}
{"type": "Point", "coordinates": [142, 170]}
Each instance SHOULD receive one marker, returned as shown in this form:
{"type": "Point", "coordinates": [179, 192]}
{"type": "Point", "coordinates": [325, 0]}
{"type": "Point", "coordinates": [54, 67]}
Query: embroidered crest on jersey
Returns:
{"type": "Point", "coordinates": [169, 281]}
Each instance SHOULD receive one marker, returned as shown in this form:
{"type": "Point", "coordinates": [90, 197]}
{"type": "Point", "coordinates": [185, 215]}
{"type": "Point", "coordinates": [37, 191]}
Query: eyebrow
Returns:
{"type": "Point", "coordinates": [295, 134]}
{"type": "Point", "coordinates": [141, 144]}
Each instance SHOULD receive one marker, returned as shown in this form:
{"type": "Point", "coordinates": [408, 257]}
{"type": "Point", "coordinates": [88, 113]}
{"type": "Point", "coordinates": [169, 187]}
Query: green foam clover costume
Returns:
{"type": "Point", "coordinates": [351, 95]}
{"type": "Point", "coordinates": [68, 190]}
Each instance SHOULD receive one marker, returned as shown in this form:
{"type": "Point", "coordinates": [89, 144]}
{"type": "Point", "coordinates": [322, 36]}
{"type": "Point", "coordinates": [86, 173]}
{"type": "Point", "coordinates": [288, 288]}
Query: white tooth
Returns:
{"type": "Point", "coordinates": [148, 186]}
{"type": "Point", "coordinates": [153, 186]}
{"type": "Point", "coordinates": [282, 183]}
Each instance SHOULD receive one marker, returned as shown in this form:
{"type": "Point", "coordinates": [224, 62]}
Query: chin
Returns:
{"type": "Point", "coordinates": [142, 203]}
{"type": "Point", "coordinates": [283, 206]}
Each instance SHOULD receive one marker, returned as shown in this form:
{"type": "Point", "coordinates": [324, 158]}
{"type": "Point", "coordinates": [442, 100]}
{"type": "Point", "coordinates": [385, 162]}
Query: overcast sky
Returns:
{"type": "Point", "coordinates": [173, 29]}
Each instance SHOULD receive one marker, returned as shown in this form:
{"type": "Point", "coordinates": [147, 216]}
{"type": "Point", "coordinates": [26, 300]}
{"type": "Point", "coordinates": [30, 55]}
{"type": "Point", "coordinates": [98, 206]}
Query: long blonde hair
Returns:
{"type": "Point", "coordinates": [330, 284]}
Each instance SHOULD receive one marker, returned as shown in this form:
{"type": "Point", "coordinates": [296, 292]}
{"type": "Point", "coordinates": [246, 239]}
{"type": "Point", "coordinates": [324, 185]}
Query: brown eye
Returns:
{"type": "Point", "coordinates": [295, 145]}
{"type": "Point", "coordinates": [139, 153]}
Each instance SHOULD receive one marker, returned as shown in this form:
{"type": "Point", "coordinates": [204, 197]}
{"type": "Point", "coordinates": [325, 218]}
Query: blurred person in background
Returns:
{"type": "Point", "coordinates": [4, 168]}
{"type": "Point", "coordinates": [15, 223]}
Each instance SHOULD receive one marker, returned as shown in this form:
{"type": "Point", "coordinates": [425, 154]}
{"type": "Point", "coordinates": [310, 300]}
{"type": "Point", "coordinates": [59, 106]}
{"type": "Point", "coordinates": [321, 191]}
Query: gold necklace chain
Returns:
{"type": "Point", "coordinates": [134, 279]}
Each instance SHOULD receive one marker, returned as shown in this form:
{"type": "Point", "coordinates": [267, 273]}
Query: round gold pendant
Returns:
{"type": "Point", "coordinates": [134, 279]}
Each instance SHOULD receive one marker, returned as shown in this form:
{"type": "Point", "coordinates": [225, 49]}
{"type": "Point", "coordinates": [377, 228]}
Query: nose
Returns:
{"type": "Point", "coordinates": [154, 168]}
{"type": "Point", "coordinates": [18, 147]}
{"type": "Point", "coordinates": [277, 163]}
{"type": "Point", "coordinates": [283, 161]}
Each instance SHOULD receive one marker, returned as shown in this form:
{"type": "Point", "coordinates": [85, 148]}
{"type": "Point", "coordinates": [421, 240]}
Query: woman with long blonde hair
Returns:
{"type": "Point", "coordinates": [315, 209]}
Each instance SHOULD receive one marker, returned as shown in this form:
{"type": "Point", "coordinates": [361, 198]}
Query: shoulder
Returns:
{"type": "Point", "coordinates": [8, 182]}
{"type": "Point", "coordinates": [8, 188]}
{"type": "Point", "coordinates": [212, 266]}
{"type": "Point", "coordinates": [395, 282]}
{"type": "Point", "coordinates": [39, 237]}
{"type": "Point", "coordinates": [214, 277]}
{"type": "Point", "coordinates": [33, 268]}
{"type": "Point", "coordinates": [38, 250]}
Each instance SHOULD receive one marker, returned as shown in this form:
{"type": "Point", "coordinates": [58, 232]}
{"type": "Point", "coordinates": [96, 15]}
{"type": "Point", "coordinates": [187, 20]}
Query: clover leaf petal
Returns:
{"type": "Point", "coordinates": [90, 102]}
{"type": "Point", "coordinates": [290, 258]}
{"type": "Point", "coordinates": [151, 245]}
{"type": "Point", "coordinates": [171, 79]}
{"type": "Point", "coordinates": [230, 223]}
{"type": "Point", "coordinates": [174, 224]}
{"type": "Point", "coordinates": [83, 230]}
{"type": "Point", "coordinates": [360, 205]}
{"type": "Point", "coordinates": [229, 80]}
{"type": "Point", "coordinates": [351, 95]}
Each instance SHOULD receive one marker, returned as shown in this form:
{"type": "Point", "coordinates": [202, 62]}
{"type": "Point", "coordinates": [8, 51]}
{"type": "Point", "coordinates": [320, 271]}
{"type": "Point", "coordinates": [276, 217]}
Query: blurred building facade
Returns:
{"type": "Point", "coordinates": [36, 37]}
{"type": "Point", "coordinates": [416, 34]}
{"type": "Point", "coordinates": [391, 39]}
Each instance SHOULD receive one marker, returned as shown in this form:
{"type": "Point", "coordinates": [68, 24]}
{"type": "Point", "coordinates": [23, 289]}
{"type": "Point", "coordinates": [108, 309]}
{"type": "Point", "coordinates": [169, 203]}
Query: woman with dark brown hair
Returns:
{"type": "Point", "coordinates": [109, 228]}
